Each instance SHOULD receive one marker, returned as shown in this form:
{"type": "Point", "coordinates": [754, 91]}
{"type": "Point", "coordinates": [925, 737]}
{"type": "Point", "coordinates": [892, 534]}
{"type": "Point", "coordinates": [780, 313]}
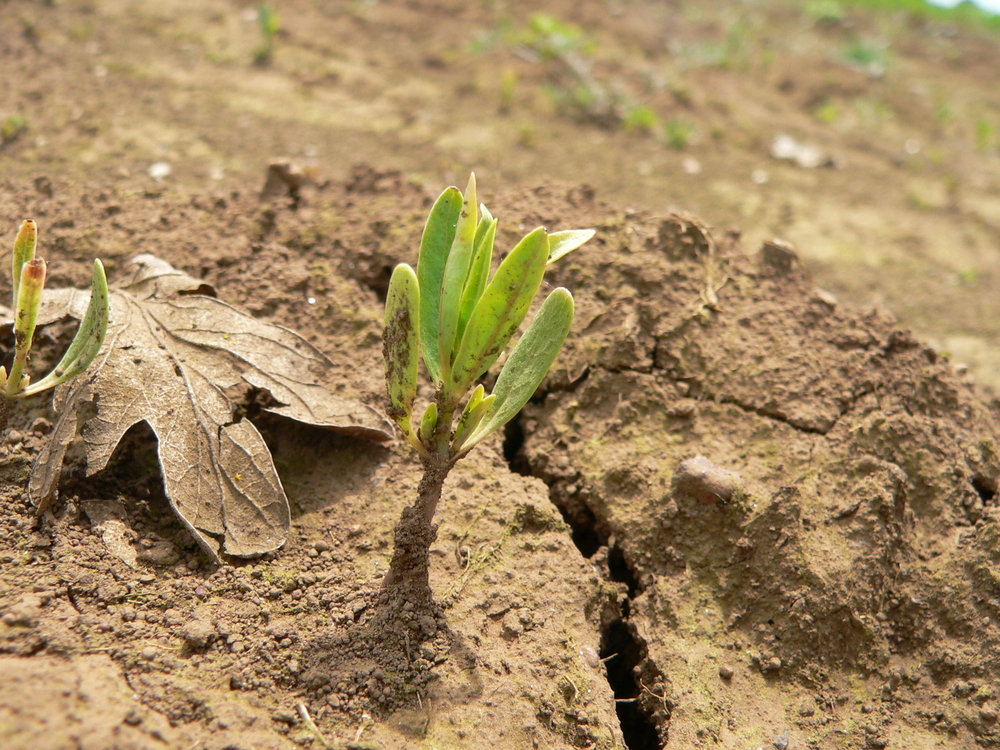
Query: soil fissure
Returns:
{"type": "Point", "coordinates": [622, 651]}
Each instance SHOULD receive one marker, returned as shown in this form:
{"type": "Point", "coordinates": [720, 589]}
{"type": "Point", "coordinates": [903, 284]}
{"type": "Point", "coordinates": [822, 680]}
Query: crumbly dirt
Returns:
{"type": "Point", "coordinates": [824, 572]}
{"type": "Point", "coordinates": [742, 512]}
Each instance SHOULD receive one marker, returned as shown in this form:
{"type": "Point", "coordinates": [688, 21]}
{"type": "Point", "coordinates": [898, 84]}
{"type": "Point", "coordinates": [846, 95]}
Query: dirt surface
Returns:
{"type": "Point", "coordinates": [742, 512]}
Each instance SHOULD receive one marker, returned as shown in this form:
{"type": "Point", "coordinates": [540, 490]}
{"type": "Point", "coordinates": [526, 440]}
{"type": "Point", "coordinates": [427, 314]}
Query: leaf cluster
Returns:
{"type": "Point", "coordinates": [459, 319]}
{"type": "Point", "coordinates": [28, 280]}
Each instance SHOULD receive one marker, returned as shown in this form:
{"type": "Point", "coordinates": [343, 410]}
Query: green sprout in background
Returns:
{"type": "Point", "coordinates": [269, 28]}
{"type": "Point", "coordinates": [461, 321]}
{"type": "Point", "coordinates": [28, 278]}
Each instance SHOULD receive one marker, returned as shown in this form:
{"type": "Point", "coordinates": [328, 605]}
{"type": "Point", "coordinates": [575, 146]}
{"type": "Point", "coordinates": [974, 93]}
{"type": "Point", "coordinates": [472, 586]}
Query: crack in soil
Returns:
{"type": "Point", "coordinates": [622, 650]}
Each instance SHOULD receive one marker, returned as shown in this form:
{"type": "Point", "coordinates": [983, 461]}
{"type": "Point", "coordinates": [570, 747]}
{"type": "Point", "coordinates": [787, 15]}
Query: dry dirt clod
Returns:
{"type": "Point", "coordinates": [197, 633]}
{"type": "Point", "coordinates": [703, 480]}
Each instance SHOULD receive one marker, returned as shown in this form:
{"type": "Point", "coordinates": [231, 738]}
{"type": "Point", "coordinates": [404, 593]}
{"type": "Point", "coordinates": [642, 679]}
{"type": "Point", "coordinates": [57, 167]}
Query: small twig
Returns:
{"type": "Point", "coordinates": [661, 698]}
{"type": "Point", "coordinates": [366, 722]}
{"type": "Point", "coordinates": [311, 725]}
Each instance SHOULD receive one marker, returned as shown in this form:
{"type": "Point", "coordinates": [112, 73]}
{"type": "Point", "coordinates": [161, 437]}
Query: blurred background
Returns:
{"type": "Point", "coordinates": [864, 132]}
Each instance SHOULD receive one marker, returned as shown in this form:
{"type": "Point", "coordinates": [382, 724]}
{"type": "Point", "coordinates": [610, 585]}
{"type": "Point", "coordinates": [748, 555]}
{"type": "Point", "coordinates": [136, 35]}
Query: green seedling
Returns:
{"type": "Point", "coordinates": [27, 280]}
{"type": "Point", "coordinates": [269, 28]}
{"type": "Point", "coordinates": [459, 320]}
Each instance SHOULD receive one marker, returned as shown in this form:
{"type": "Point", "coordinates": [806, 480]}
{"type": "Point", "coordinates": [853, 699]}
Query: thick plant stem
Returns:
{"type": "Point", "coordinates": [415, 533]}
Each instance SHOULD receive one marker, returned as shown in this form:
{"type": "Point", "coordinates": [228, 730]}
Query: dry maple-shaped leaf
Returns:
{"type": "Point", "coordinates": [171, 356]}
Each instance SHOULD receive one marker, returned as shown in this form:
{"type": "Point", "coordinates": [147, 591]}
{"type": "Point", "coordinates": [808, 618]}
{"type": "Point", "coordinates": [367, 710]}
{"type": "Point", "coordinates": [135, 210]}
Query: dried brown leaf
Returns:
{"type": "Point", "coordinates": [172, 355]}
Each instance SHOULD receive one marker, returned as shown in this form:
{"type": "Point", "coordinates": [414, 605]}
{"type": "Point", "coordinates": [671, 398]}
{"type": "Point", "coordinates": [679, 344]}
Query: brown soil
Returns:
{"type": "Point", "coordinates": [823, 575]}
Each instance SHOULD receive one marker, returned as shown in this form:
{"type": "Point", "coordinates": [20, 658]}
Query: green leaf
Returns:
{"type": "Point", "coordinates": [29, 297]}
{"type": "Point", "coordinates": [89, 336]}
{"type": "Point", "coordinates": [24, 250]}
{"type": "Point", "coordinates": [479, 273]}
{"type": "Point", "coordinates": [401, 343]}
{"type": "Point", "coordinates": [528, 363]}
{"type": "Point", "coordinates": [501, 309]}
{"type": "Point", "coordinates": [435, 244]}
{"type": "Point", "coordinates": [428, 423]}
{"type": "Point", "coordinates": [472, 415]}
{"type": "Point", "coordinates": [456, 274]}
{"type": "Point", "coordinates": [561, 243]}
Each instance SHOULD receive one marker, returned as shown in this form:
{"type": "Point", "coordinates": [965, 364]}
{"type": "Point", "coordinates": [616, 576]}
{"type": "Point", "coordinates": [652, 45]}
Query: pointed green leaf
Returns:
{"type": "Point", "coordinates": [470, 419]}
{"type": "Point", "coordinates": [29, 297]}
{"type": "Point", "coordinates": [435, 244]}
{"type": "Point", "coordinates": [456, 274]}
{"type": "Point", "coordinates": [567, 241]}
{"type": "Point", "coordinates": [528, 363]}
{"type": "Point", "coordinates": [501, 309]}
{"type": "Point", "coordinates": [479, 273]}
{"type": "Point", "coordinates": [401, 342]}
{"type": "Point", "coordinates": [24, 250]}
{"type": "Point", "coordinates": [89, 336]}
{"type": "Point", "coordinates": [429, 422]}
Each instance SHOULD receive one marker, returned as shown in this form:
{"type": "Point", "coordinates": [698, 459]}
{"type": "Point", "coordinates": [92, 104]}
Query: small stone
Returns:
{"type": "Point", "coordinates": [773, 664]}
{"type": "Point", "coordinates": [726, 672]}
{"type": "Point", "coordinates": [987, 715]}
{"type": "Point", "coordinates": [158, 552]}
{"type": "Point", "coordinates": [703, 480]}
{"type": "Point", "coordinates": [807, 707]}
{"type": "Point", "coordinates": [197, 633]}
{"type": "Point", "coordinates": [148, 653]}
{"type": "Point", "coordinates": [867, 708]}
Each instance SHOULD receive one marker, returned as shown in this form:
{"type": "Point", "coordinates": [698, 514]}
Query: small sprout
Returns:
{"type": "Point", "coordinates": [460, 320]}
{"type": "Point", "coordinates": [27, 280]}
{"type": "Point", "coordinates": [270, 27]}
{"type": "Point", "coordinates": [11, 129]}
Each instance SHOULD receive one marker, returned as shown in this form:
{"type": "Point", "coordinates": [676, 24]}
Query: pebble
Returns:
{"type": "Point", "coordinates": [703, 480]}
{"type": "Point", "coordinates": [726, 672]}
{"type": "Point", "coordinates": [773, 664]}
{"type": "Point", "coordinates": [197, 633]}
{"type": "Point", "coordinates": [988, 715]}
